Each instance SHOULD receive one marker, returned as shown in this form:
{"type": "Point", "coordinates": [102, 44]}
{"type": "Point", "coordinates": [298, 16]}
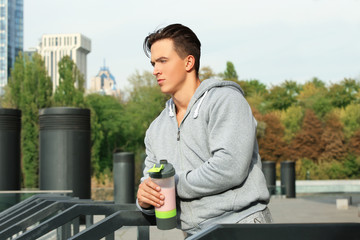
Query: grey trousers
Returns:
{"type": "Point", "coordinates": [263, 216]}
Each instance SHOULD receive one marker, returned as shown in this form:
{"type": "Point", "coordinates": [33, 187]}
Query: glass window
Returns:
{"type": "Point", "coordinates": [2, 11]}
{"type": "Point", "coordinates": [75, 40]}
{"type": "Point", "coordinates": [56, 41]}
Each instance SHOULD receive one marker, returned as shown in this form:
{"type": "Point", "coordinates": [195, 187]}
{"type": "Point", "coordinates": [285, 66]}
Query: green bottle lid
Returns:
{"type": "Point", "coordinates": [162, 170]}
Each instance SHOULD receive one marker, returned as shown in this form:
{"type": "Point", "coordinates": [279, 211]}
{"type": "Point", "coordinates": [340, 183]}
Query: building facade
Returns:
{"type": "Point", "coordinates": [11, 36]}
{"type": "Point", "coordinates": [54, 47]}
{"type": "Point", "coordinates": [104, 83]}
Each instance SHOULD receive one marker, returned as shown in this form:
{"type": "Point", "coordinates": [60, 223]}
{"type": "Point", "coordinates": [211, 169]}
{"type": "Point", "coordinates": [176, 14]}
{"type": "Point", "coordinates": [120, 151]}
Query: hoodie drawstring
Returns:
{"type": "Point", "coordinates": [171, 111]}
{"type": "Point", "coordinates": [196, 113]}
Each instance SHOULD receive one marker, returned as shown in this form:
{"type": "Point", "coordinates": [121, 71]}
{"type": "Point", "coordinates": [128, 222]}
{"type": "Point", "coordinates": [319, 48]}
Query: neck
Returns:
{"type": "Point", "coordinates": [182, 97]}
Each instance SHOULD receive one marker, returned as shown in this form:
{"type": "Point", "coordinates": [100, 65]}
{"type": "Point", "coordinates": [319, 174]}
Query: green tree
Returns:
{"type": "Point", "coordinates": [314, 97]}
{"type": "Point", "coordinates": [253, 87]}
{"type": "Point", "coordinates": [70, 91]}
{"type": "Point", "coordinates": [145, 102]}
{"type": "Point", "coordinates": [230, 72]}
{"type": "Point", "coordinates": [350, 118]}
{"type": "Point", "coordinates": [106, 129]}
{"type": "Point", "coordinates": [12, 96]}
{"type": "Point", "coordinates": [344, 93]}
{"type": "Point", "coordinates": [317, 82]}
{"type": "Point", "coordinates": [292, 118]}
{"type": "Point", "coordinates": [29, 89]}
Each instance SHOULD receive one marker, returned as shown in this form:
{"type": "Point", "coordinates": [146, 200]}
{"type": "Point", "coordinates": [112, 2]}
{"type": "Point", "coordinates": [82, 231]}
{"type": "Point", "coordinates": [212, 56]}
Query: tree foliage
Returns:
{"type": "Point", "coordinates": [272, 146]}
{"type": "Point", "coordinates": [292, 118]}
{"type": "Point", "coordinates": [206, 73]}
{"type": "Point", "coordinates": [70, 91]}
{"type": "Point", "coordinates": [230, 72]}
{"type": "Point", "coordinates": [333, 140]}
{"type": "Point", "coordinates": [145, 103]}
{"type": "Point", "coordinates": [307, 143]}
{"type": "Point", "coordinates": [29, 90]}
{"type": "Point", "coordinates": [107, 129]}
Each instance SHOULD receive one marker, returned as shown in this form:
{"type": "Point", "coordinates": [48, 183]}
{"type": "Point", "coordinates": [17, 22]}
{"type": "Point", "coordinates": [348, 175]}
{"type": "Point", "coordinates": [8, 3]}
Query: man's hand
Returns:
{"type": "Point", "coordinates": [149, 194]}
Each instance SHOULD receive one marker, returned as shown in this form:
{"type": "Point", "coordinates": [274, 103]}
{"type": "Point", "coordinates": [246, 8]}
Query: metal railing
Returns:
{"type": "Point", "coordinates": [43, 213]}
{"type": "Point", "coordinates": [295, 231]}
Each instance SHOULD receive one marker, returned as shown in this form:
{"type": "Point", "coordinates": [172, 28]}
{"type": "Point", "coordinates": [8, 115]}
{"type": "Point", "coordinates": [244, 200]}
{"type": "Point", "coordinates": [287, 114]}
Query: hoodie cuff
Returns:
{"type": "Point", "coordinates": [149, 211]}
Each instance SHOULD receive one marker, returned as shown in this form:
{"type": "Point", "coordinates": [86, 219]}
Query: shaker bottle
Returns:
{"type": "Point", "coordinates": [163, 175]}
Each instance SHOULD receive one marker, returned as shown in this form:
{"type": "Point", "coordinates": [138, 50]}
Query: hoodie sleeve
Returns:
{"type": "Point", "coordinates": [231, 141]}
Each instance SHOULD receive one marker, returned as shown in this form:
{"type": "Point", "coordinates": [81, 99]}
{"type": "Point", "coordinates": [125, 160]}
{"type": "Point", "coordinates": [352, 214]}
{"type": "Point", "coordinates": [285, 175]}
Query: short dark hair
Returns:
{"type": "Point", "coordinates": [185, 42]}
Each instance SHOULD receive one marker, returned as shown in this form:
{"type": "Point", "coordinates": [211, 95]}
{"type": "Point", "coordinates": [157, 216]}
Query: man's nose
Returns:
{"type": "Point", "coordinates": [156, 70]}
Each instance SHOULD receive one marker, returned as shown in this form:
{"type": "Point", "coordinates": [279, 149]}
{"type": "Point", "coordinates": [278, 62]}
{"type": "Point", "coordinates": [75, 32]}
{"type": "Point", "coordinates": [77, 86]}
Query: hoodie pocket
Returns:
{"type": "Point", "coordinates": [212, 206]}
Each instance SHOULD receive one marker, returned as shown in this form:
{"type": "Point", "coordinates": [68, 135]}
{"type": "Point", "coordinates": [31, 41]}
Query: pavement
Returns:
{"type": "Point", "coordinates": [302, 209]}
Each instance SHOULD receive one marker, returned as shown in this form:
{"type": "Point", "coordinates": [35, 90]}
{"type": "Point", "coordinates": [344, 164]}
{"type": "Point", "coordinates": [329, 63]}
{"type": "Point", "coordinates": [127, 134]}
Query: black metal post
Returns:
{"type": "Point", "coordinates": [10, 128]}
{"type": "Point", "coordinates": [269, 170]}
{"type": "Point", "coordinates": [288, 179]}
{"type": "Point", "coordinates": [124, 174]}
{"type": "Point", "coordinates": [65, 150]}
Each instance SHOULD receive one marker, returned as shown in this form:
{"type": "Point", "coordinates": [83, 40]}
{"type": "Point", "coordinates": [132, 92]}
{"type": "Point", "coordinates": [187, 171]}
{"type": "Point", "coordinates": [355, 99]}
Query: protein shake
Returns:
{"type": "Point", "coordinates": [163, 175]}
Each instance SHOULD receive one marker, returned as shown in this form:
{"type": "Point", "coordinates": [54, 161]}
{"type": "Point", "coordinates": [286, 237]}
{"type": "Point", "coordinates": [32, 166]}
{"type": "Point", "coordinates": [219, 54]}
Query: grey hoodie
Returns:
{"type": "Point", "coordinates": [215, 155]}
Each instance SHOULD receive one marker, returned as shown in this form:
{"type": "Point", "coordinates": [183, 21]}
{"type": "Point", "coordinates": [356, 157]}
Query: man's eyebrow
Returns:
{"type": "Point", "coordinates": [157, 60]}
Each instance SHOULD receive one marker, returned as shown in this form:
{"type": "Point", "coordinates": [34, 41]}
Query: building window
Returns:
{"type": "Point", "coordinates": [56, 41]}
{"type": "Point", "coordinates": [75, 40]}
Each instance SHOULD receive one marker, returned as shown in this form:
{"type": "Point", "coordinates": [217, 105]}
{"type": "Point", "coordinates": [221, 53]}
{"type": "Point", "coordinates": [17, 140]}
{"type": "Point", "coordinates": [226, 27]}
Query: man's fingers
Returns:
{"type": "Point", "coordinates": [149, 194]}
{"type": "Point", "coordinates": [151, 184]}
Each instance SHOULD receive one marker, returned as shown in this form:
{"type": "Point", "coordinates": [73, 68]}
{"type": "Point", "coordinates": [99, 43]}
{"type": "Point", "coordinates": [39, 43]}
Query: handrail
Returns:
{"type": "Point", "coordinates": [50, 212]}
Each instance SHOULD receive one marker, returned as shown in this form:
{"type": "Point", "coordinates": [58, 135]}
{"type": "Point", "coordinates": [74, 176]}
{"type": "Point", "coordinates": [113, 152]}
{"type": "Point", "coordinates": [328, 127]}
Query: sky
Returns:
{"type": "Point", "coordinates": [271, 41]}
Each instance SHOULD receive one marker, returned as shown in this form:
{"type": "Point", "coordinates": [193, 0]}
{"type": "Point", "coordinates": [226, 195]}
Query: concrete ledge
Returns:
{"type": "Point", "coordinates": [319, 186]}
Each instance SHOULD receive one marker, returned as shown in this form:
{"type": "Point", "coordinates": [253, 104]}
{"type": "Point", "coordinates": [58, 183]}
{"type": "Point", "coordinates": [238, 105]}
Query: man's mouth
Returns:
{"type": "Point", "coordinates": [160, 80]}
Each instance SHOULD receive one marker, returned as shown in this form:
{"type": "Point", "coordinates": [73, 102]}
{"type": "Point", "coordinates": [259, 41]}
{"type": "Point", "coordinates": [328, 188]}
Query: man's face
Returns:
{"type": "Point", "coordinates": [169, 67]}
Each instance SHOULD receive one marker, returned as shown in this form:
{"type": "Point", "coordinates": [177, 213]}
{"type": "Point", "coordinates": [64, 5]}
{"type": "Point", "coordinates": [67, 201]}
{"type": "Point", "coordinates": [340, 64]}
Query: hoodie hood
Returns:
{"type": "Point", "coordinates": [200, 95]}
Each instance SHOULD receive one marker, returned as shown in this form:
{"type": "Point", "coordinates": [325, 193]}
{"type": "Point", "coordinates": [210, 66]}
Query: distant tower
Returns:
{"type": "Point", "coordinates": [54, 47]}
{"type": "Point", "coordinates": [11, 36]}
{"type": "Point", "coordinates": [104, 83]}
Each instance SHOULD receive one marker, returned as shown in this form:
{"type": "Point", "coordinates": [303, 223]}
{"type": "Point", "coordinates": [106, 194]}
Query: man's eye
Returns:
{"type": "Point", "coordinates": [163, 61]}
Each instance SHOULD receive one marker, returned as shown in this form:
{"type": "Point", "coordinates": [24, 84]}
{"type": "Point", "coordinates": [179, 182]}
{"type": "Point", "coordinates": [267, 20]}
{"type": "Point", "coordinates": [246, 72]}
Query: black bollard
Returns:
{"type": "Point", "coordinates": [124, 177]}
{"type": "Point", "coordinates": [288, 179]}
{"type": "Point", "coordinates": [10, 128]}
{"type": "Point", "coordinates": [65, 150]}
{"type": "Point", "coordinates": [269, 170]}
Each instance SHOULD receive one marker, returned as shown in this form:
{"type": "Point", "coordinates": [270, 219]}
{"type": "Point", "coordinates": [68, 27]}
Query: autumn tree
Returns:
{"type": "Point", "coordinates": [333, 140]}
{"type": "Point", "coordinates": [206, 72]}
{"type": "Point", "coordinates": [354, 143]}
{"type": "Point", "coordinates": [307, 143]}
{"type": "Point", "coordinates": [271, 146]}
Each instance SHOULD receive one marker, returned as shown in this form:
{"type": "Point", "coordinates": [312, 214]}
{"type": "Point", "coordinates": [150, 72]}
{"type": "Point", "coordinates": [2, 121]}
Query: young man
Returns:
{"type": "Point", "coordinates": [207, 131]}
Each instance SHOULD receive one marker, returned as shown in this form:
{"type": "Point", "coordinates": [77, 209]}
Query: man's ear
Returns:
{"type": "Point", "coordinates": [190, 62]}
